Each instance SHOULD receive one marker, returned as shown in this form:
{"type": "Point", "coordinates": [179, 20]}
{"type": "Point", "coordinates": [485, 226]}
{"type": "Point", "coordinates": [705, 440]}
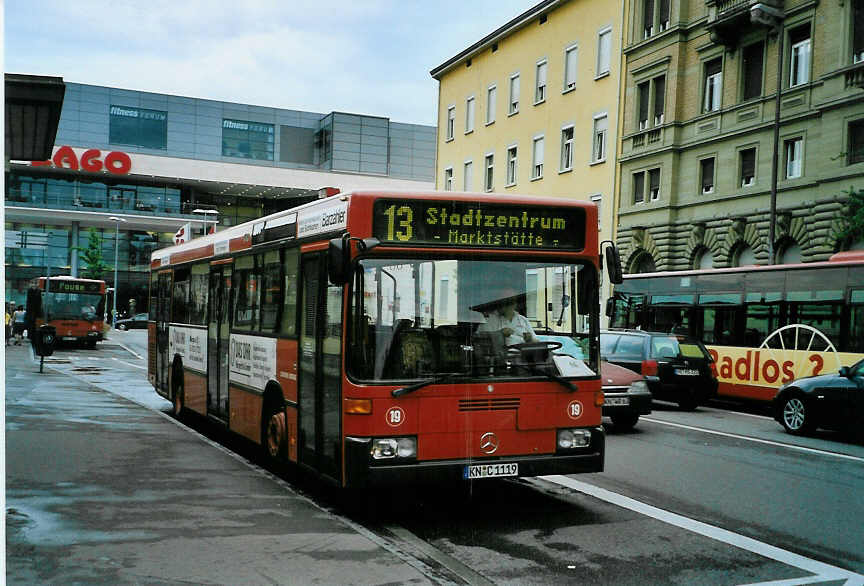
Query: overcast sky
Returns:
{"type": "Point", "coordinates": [364, 56]}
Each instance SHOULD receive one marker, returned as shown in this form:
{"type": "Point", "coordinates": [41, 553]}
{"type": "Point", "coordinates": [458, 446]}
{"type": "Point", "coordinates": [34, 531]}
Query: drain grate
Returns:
{"type": "Point", "coordinates": [88, 369]}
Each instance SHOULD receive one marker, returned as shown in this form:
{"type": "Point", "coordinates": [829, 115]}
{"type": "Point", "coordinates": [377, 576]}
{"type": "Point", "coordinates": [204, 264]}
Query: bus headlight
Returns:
{"type": "Point", "coordinates": [573, 438]}
{"type": "Point", "coordinates": [393, 447]}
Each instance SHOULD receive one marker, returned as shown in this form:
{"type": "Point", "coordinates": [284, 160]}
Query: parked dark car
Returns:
{"type": "Point", "coordinates": [677, 368]}
{"type": "Point", "coordinates": [626, 393]}
{"type": "Point", "coordinates": [137, 321]}
{"type": "Point", "coordinates": [831, 401]}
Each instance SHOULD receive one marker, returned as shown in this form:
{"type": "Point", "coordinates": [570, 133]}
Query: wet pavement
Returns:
{"type": "Point", "coordinates": [103, 490]}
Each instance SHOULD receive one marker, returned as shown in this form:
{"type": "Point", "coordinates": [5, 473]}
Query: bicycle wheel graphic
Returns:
{"type": "Point", "coordinates": [796, 343]}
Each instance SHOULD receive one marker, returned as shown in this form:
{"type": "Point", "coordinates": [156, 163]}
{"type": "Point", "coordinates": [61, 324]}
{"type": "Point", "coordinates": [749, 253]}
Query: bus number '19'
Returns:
{"type": "Point", "coordinates": [405, 215]}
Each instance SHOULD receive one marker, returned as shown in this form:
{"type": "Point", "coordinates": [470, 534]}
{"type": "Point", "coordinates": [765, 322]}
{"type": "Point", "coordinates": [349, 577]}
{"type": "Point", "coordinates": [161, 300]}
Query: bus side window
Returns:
{"type": "Point", "coordinates": [198, 292]}
{"type": "Point", "coordinates": [290, 265]}
{"type": "Point", "coordinates": [271, 291]}
{"type": "Point", "coordinates": [856, 325]}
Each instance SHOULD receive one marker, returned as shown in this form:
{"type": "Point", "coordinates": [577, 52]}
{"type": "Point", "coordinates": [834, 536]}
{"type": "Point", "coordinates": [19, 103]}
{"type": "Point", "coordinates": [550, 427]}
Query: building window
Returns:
{"type": "Point", "coordinates": [540, 89]}
{"type": "Point", "coordinates": [537, 167]}
{"type": "Point", "coordinates": [597, 200]}
{"type": "Point", "coordinates": [469, 115]}
{"type": "Point", "coordinates": [489, 172]}
{"type": "Point", "coordinates": [856, 142]}
{"type": "Point", "coordinates": [604, 51]}
{"type": "Point", "coordinates": [655, 17]}
{"type": "Point", "coordinates": [747, 159]}
{"type": "Point", "coordinates": [857, 31]}
{"type": "Point", "coordinates": [490, 104]}
{"type": "Point", "coordinates": [451, 122]}
{"type": "Point", "coordinates": [448, 179]}
{"type": "Point", "coordinates": [654, 184]}
{"type": "Point", "coordinates": [570, 62]}
{"type": "Point", "coordinates": [249, 140]}
{"type": "Point", "coordinates": [639, 187]}
{"type": "Point", "coordinates": [794, 149]}
{"type": "Point", "coordinates": [598, 150]}
{"type": "Point", "coordinates": [514, 94]}
{"type": "Point", "coordinates": [644, 90]}
{"type": "Point", "coordinates": [652, 91]}
{"type": "Point", "coordinates": [511, 165]}
{"type": "Point", "coordinates": [706, 174]}
{"type": "Point", "coordinates": [799, 55]}
{"type": "Point", "coordinates": [751, 70]}
{"type": "Point", "coordinates": [138, 127]}
{"type": "Point", "coordinates": [567, 148]}
{"type": "Point", "coordinates": [467, 179]}
{"type": "Point", "coordinates": [659, 84]}
{"type": "Point", "coordinates": [713, 85]}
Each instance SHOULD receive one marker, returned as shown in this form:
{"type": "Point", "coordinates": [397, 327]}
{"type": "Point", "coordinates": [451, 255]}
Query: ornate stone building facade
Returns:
{"type": "Point", "coordinates": [699, 132]}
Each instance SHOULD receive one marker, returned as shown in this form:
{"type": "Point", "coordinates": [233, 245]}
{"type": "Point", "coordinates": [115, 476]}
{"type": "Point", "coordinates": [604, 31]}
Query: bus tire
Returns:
{"type": "Point", "coordinates": [177, 392]}
{"type": "Point", "coordinates": [91, 344]}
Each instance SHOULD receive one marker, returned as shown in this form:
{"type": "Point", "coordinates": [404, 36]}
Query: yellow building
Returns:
{"type": "Point", "coordinates": [532, 108]}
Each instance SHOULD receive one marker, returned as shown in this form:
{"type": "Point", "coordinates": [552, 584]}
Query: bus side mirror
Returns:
{"type": "Point", "coordinates": [613, 265]}
{"type": "Point", "coordinates": [338, 260]}
{"type": "Point", "coordinates": [610, 309]}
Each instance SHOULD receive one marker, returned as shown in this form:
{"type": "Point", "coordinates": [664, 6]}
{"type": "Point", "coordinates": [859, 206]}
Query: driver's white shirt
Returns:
{"type": "Point", "coordinates": [519, 324]}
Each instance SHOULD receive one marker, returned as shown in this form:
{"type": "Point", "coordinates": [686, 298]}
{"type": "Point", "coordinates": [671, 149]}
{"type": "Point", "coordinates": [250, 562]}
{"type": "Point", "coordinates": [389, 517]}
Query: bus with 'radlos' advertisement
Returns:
{"type": "Point", "coordinates": [763, 325]}
{"type": "Point", "coordinates": [364, 336]}
{"type": "Point", "coordinates": [75, 307]}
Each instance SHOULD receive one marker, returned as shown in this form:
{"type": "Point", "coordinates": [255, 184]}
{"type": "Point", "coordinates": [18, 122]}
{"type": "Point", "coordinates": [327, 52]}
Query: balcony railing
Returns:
{"type": "Point", "coordinates": [729, 19]}
{"type": "Point", "coordinates": [855, 75]}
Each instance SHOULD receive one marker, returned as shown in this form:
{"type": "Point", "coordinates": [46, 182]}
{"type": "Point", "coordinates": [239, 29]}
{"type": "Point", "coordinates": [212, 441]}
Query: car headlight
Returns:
{"type": "Point", "coordinates": [573, 438]}
{"type": "Point", "coordinates": [639, 386]}
{"type": "Point", "coordinates": [393, 447]}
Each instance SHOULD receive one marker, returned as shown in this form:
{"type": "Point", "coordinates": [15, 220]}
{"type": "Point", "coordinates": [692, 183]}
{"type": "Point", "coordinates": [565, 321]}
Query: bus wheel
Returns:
{"type": "Point", "coordinates": [274, 433]}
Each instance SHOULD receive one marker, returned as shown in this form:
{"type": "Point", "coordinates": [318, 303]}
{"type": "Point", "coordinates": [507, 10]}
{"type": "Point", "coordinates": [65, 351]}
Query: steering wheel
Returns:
{"type": "Point", "coordinates": [533, 347]}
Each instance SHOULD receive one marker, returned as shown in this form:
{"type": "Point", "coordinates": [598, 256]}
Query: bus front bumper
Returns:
{"type": "Point", "coordinates": [361, 471]}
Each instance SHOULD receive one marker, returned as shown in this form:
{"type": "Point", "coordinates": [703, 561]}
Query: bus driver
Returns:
{"type": "Point", "coordinates": [513, 326]}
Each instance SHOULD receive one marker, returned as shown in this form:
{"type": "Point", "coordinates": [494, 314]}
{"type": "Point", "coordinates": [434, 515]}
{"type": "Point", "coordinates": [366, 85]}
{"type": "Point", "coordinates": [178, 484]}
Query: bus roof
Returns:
{"type": "Point", "coordinates": [852, 258]}
{"type": "Point", "coordinates": [240, 237]}
{"type": "Point", "coordinates": [69, 278]}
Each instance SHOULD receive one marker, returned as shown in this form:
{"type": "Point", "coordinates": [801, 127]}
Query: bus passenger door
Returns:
{"type": "Point", "coordinates": [319, 385]}
{"type": "Point", "coordinates": [163, 319]}
{"type": "Point", "coordinates": [218, 341]}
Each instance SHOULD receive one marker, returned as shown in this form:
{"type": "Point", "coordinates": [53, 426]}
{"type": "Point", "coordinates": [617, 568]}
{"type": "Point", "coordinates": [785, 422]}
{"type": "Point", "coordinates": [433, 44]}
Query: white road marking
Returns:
{"type": "Point", "coordinates": [757, 440]}
{"type": "Point", "coordinates": [822, 571]}
{"type": "Point", "coordinates": [129, 363]}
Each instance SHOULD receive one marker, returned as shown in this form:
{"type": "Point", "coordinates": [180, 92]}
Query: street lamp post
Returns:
{"type": "Point", "coordinates": [206, 220]}
{"type": "Point", "coordinates": [116, 221]}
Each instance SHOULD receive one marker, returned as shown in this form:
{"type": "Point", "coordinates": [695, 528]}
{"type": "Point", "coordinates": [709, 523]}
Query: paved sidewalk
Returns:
{"type": "Point", "coordinates": [100, 490]}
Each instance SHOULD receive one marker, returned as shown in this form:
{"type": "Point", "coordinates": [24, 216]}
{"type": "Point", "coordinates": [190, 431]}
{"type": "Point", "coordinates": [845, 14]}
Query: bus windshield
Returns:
{"type": "Point", "coordinates": [73, 306]}
{"type": "Point", "coordinates": [423, 318]}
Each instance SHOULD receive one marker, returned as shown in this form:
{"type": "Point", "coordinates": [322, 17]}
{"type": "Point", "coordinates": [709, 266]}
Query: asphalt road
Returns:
{"type": "Point", "coordinates": [708, 497]}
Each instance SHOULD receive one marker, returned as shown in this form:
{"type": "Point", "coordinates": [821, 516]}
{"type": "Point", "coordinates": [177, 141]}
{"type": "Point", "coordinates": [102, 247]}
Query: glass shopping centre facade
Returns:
{"type": "Point", "coordinates": [139, 165]}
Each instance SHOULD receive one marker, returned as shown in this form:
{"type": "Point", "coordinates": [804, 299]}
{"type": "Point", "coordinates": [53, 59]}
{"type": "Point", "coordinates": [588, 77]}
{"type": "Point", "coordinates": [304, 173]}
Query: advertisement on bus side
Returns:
{"type": "Point", "coordinates": [758, 372]}
{"type": "Point", "coordinates": [252, 361]}
{"type": "Point", "coordinates": [191, 345]}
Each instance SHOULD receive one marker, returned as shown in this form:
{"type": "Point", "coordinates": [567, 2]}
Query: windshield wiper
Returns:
{"type": "Point", "coordinates": [443, 377]}
{"type": "Point", "coordinates": [560, 380]}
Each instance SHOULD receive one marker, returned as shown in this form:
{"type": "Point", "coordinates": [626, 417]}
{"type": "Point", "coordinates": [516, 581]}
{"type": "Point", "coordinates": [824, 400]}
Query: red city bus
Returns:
{"type": "Point", "coordinates": [353, 335]}
{"type": "Point", "coordinates": [763, 325]}
{"type": "Point", "coordinates": [75, 307]}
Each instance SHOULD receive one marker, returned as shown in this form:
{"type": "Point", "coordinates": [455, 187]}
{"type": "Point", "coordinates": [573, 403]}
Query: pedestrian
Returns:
{"type": "Point", "coordinates": [19, 324]}
{"type": "Point", "coordinates": [8, 325]}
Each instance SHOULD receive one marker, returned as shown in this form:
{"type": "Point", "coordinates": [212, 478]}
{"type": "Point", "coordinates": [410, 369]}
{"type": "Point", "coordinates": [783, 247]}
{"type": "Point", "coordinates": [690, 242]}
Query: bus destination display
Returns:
{"type": "Point", "coordinates": [483, 224]}
{"type": "Point", "coordinates": [64, 286]}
